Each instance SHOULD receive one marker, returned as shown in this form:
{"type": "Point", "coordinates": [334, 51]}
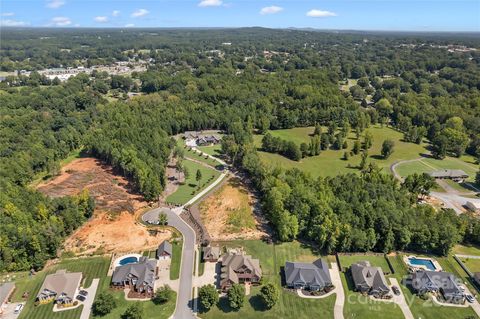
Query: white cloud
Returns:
{"type": "Point", "coordinates": [61, 21]}
{"type": "Point", "coordinates": [140, 13]}
{"type": "Point", "coordinates": [210, 3]}
{"type": "Point", "coordinates": [129, 25]}
{"type": "Point", "coordinates": [115, 13]}
{"type": "Point", "coordinates": [8, 14]}
{"type": "Point", "coordinates": [12, 23]}
{"type": "Point", "coordinates": [314, 13]}
{"type": "Point", "coordinates": [101, 19]}
{"type": "Point", "coordinates": [55, 4]}
{"type": "Point", "coordinates": [271, 10]}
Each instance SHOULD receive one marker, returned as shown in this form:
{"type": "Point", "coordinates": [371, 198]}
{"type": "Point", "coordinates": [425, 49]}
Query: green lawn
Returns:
{"type": "Point", "coordinates": [272, 258]}
{"type": "Point", "coordinates": [376, 261]}
{"type": "Point", "coordinates": [90, 267]}
{"type": "Point", "coordinates": [426, 308]}
{"type": "Point", "coordinates": [466, 250]}
{"type": "Point", "coordinates": [214, 150]}
{"type": "Point", "coordinates": [427, 165]}
{"type": "Point", "coordinates": [176, 258]}
{"type": "Point", "coordinates": [188, 190]}
{"type": "Point", "coordinates": [196, 156]}
{"type": "Point", "coordinates": [472, 264]}
{"type": "Point", "coordinates": [330, 162]}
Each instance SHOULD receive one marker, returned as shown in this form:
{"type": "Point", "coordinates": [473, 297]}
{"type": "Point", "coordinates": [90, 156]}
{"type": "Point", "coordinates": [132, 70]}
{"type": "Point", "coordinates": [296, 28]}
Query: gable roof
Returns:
{"type": "Point", "coordinates": [164, 247]}
{"type": "Point", "coordinates": [61, 282]}
{"type": "Point", "coordinates": [366, 276]}
{"type": "Point", "coordinates": [232, 262]}
{"type": "Point", "coordinates": [428, 280]}
{"type": "Point", "coordinates": [213, 251]}
{"type": "Point", "coordinates": [315, 273]}
{"type": "Point", "coordinates": [450, 173]}
{"type": "Point", "coordinates": [144, 271]}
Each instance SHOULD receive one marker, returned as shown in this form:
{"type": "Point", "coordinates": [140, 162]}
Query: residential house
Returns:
{"type": "Point", "coordinates": [440, 283]}
{"type": "Point", "coordinates": [456, 175]}
{"type": "Point", "coordinates": [369, 280]}
{"type": "Point", "coordinates": [211, 253]}
{"type": "Point", "coordinates": [138, 277]}
{"type": "Point", "coordinates": [239, 268]}
{"type": "Point", "coordinates": [60, 287]}
{"type": "Point", "coordinates": [473, 205]}
{"type": "Point", "coordinates": [6, 291]}
{"type": "Point", "coordinates": [164, 250]}
{"type": "Point", "coordinates": [310, 276]}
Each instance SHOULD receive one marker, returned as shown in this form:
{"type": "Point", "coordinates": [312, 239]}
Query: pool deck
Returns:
{"type": "Point", "coordinates": [116, 261]}
{"type": "Point", "coordinates": [421, 267]}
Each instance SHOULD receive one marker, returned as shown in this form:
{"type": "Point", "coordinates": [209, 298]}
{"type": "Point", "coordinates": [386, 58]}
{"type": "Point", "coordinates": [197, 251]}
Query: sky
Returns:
{"type": "Point", "coordinates": [389, 15]}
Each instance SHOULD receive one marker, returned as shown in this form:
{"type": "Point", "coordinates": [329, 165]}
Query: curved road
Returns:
{"type": "Point", "coordinates": [183, 308]}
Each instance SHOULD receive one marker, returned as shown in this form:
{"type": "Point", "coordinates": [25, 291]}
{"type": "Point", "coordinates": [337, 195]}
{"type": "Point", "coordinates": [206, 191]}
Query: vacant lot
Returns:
{"type": "Point", "coordinates": [191, 187]}
{"type": "Point", "coordinates": [228, 213]}
{"type": "Point", "coordinates": [112, 192]}
{"type": "Point", "coordinates": [272, 260]}
{"type": "Point", "coordinates": [113, 228]}
{"type": "Point", "coordinates": [330, 162]}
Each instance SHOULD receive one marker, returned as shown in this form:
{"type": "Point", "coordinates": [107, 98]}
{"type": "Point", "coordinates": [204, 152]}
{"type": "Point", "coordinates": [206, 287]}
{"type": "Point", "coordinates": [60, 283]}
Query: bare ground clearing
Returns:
{"type": "Point", "coordinates": [114, 226]}
{"type": "Point", "coordinates": [228, 213]}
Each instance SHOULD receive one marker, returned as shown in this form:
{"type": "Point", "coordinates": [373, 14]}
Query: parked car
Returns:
{"type": "Point", "coordinates": [18, 309]}
{"type": "Point", "coordinates": [470, 298]}
{"type": "Point", "coordinates": [83, 293]}
{"type": "Point", "coordinates": [81, 298]}
{"type": "Point", "coordinates": [396, 290]}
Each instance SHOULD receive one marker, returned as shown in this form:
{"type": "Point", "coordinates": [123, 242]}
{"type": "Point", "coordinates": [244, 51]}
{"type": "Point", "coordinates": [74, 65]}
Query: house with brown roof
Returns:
{"type": "Point", "coordinates": [238, 268]}
{"type": "Point", "coordinates": [369, 280]}
{"type": "Point", "coordinates": [60, 287]}
{"type": "Point", "coordinates": [211, 253]}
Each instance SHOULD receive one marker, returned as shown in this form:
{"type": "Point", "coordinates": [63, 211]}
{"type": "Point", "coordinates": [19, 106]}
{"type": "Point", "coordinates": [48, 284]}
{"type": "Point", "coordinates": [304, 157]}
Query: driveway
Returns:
{"type": "Point", "coordinates": [9, 309]}
{"type": "Point", "coordinates": [400, 300]}
{"type": "Point", "coordinates": [183, 308]}
{"type": "Point", "coordinates": [340, 300]}
{"type": "Point", "coordinates": [87, 304]}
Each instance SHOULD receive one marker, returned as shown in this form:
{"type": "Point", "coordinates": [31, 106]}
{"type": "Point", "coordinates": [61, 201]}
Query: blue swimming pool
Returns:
{"type": "Point", "coordinates": [427, 263]}
{"type": "Point", "coordinates": [128, 260]}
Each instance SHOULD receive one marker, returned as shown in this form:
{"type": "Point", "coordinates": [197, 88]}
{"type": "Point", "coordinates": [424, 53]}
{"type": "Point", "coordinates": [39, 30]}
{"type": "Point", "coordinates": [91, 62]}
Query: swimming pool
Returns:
{"type": "Point", "coordinates": [128, 260]}
{"type": "Point", "coordinates": [427, 263]}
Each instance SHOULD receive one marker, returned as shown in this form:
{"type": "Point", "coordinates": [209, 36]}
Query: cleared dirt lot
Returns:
{"type": "Point", "coordinates": [114, 226]}
{"type": "Point", "coordinates": [228, 213]}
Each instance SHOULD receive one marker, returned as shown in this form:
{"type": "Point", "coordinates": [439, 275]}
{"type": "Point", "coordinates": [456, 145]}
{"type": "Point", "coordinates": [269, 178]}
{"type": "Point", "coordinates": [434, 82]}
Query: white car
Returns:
{"type": "Point", "coordinates": [18, 309]}
{"type": "Point", "coordinates": [470, 298]}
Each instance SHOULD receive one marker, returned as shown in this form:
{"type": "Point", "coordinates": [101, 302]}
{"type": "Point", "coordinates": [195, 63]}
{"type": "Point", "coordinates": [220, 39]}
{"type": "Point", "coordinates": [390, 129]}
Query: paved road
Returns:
{"type": "Point", "coordinates": [87, 304]}
{"type": "Point", "coordinates": [400, 300]}
{"type": "Point", "coordinates": [340, 300]}
{"type": "Point", "coordinates": [183, 309]}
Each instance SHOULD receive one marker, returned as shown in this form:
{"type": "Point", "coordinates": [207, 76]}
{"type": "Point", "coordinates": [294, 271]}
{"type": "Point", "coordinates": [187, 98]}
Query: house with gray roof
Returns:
{"type": "Point", "coordinates": [310, 276]}
{"type": "Point", "coordinates": [211, 253]}
{"type": "Point", "coordinates": [239, 268]}
{"type": "Point", "coordinates": [369, 280]}
{"type": "Point", "coordinates": [60, 287]}
{"type": "Point", "coordinates": [456, 175]}
{"type": "Point", "coordinates": [138, 277]}
{"type": "Point", "coordinates": [439, 283]}
{"type": "Point", "coordinates": [164, 250]}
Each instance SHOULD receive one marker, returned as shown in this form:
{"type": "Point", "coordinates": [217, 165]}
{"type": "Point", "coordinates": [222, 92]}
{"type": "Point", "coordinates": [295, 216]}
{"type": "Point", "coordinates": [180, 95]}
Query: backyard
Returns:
{"type": "Point", "coordinates": [272, 260]}
{"type": "Point", "coordinates": [330, 162]}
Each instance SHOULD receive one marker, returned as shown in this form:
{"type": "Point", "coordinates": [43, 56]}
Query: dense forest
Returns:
{"type": "Point", "coordinates": [241, 81]}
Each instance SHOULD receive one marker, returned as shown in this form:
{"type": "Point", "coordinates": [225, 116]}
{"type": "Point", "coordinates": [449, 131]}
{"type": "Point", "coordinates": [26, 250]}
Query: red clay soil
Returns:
{"type": "Point", "coordinates": [114, 226]}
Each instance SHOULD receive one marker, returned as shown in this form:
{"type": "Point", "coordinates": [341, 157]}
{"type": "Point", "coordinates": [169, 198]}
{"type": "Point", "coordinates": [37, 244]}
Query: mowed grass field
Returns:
{"type": "Point", "coordinates": [272, 260]}
{"type": "Point", "coordinates": [214, 150]}
{"type": "Point", "coordinates": [427, 165]}
{"type": "Point", "coordinates": [330, 162]}
{"type": "Point", "coordinates": [191, 187]}
{"type": "Point", "coordinates": [90, 267]}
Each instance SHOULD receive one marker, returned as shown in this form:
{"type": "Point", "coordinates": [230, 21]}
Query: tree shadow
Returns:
{"type": "Point", "coordinates": [257, 304]}
{"type": "Point", "coordinates": [224, 306]}
{"type": "Point", "coordinates": [377, 157]}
